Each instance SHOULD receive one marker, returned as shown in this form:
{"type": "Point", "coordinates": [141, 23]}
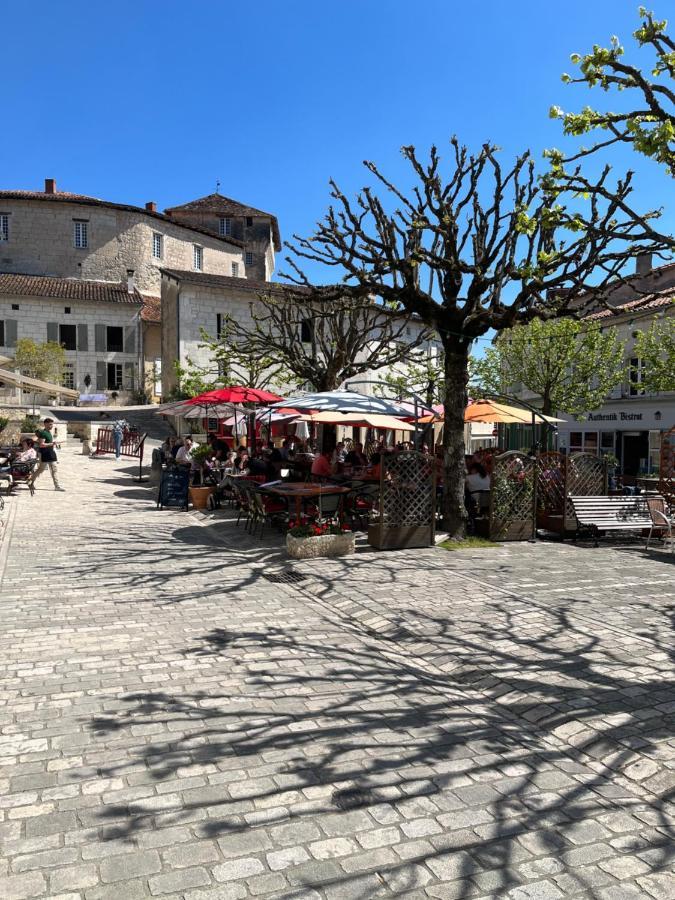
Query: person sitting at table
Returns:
{"type": "Point", "coordinates": [241, 461]}
{"type": "Point", "coordinates": [356, 457]}
{"type": "Point", "coordinates": [338, 457]}
{"type": "Point", "coordinates": [286, 450]}
{"type": "Point", "coordinates": [321, 467]}
{"type": "Point", "coordinates": [169, 448]}
{"type": "Point", "coordinates": [184, 453]}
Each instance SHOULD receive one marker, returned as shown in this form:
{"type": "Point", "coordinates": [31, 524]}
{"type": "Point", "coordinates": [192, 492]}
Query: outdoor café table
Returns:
{"type": "Point", "coordinates": [305, 492]}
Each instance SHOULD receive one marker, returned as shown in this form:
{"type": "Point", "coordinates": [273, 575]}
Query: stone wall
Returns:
{"type": "Point", "coordinates": [41, 243]}
{"type": "Point", "coordinates": [189, 308]}
{"type": "Point", "coordinates": [257, 238]}
{"type": "Point", "coordinates": [34, 313]}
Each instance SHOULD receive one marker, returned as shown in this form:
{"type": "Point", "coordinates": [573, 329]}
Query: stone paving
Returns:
{"type": "Point", "coordinates": [494, 723]}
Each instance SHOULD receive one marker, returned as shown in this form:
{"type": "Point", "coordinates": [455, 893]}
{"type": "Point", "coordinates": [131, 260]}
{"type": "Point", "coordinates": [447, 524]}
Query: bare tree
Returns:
{"type": "Point", "coordinates": [478, 248]}
{"type": "Point", "coordinates": [325, 338]}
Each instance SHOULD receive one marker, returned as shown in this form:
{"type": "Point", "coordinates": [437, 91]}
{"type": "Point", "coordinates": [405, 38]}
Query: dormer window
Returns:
{"type": "Point", "coordinates": [225, 228]}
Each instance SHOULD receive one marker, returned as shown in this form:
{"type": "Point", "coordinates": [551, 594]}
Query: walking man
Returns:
{"type": "Point", "coordinates": [47, 453]}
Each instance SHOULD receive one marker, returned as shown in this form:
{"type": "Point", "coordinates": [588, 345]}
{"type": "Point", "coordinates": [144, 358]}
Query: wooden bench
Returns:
{"type": "Point", "coordinates": [599, 514]}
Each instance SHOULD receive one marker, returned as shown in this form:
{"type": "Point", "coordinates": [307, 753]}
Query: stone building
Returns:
{"type": "Point", "coordinates": [98, 323]}
{"type": "Point", "coordinates": [630, 422]}
{"type": "Point", "coordinates": [257, 231]}
{"type": "Point", "coordinates": [56, 236]}
{"type": "Point", "coordinates": [192, 302]}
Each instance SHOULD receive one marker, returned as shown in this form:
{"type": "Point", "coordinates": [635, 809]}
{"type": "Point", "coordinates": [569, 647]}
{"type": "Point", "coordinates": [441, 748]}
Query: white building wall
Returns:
{"type": "Point", "coordinates": [35, 313]}
{"type": "Point", "coordinates": [199, 307]}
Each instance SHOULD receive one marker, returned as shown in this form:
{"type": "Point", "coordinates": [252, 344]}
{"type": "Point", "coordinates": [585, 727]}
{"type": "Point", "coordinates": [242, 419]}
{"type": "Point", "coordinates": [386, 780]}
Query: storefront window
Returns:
{"type": "Point", "coordinates": [591, 441]}
{"type": "Point", "coordinates": [654, 451]}
{"type": "Point", "coordinates": [576, 441]}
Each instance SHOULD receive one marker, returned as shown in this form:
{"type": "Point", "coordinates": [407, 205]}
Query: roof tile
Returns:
{"type": "Point", "coordinates": [17, 285]}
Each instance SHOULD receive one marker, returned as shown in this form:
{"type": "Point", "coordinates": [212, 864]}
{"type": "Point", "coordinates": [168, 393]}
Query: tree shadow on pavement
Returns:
{"type": "Point", "coordinates": [530, 760]}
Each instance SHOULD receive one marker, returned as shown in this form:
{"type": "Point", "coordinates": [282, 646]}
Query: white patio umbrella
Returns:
{"type": "Point", "coordinates": [359, 420]}
{"type": "Point", "coordinates": [343, 402]}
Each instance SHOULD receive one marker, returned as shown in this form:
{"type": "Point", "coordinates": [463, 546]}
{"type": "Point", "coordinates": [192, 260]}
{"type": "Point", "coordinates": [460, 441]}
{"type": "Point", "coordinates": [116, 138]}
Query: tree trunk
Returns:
{"type": "Point", "coordinates": [455, 400]}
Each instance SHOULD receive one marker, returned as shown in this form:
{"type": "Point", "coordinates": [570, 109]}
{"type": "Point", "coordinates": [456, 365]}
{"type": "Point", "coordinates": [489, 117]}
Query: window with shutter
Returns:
{"type": "Point", "coordinates": [130, 339]}
{"type": "Point", "coordinates": [11, 332]}
{"type": "Point", "coordinates": [53, 332]}
{"type": "Point", "coordinates": [129, 376]}
{"type": "Point", "coordinates": [82, 337]}
{"type": "Point", "coordinates": [100, 338]}
{"type": "Point", "coordinates": [101, 375]}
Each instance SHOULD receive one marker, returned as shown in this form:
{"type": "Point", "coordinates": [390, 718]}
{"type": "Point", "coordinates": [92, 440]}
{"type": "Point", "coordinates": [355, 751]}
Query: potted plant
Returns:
{"type": "Point", "coordinates": [309, 540]}
{"type": "Point", "coordinates": [199, 493]}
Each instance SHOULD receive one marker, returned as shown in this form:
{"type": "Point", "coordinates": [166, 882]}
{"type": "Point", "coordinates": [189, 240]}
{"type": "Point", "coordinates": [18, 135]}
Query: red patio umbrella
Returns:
{"type": "Point", "coordinates": [233, 394]}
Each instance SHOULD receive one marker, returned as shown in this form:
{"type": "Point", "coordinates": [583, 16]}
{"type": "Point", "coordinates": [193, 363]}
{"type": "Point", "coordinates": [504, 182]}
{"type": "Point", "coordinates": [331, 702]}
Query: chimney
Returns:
{"type": "Point", "coordinates": [643, 263]}
{"type": "Point", "coordinates": [131, 287]}
{"type": "Point", "coordinates": [50, 186]}
{"type": "Point", "coordinates": [151, 206]}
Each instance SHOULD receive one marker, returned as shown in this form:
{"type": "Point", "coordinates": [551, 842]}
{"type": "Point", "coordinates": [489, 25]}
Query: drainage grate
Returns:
{"type": "Point", "coordinates": [289, 577]}
{"type": "Point", "coordinates": [353, 798]}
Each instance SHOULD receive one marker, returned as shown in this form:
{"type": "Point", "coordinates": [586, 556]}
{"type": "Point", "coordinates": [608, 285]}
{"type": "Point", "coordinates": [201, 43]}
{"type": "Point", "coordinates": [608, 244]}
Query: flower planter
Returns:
{"type": "Point", "coordinates": [199, 496]}
{"type": "Point", "coordinates": [320, 545]}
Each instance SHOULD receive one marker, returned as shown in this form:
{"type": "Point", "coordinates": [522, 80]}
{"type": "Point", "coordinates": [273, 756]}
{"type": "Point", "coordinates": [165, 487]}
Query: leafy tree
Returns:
{"type": "Point", "coordinates": [649, 123]}
{"type": "Point", "coordinates": [474, 248]}
{"type": "Point", "coordinates": [43, 361]}
{"type": "Point", "coordinates": [229, 364]}
{"type": "Point", "coordinates": [324, 342]}
{"type": "Point", "coordinates": [572, 366]}
{"type": "Point", "coordinates": [656, 350]}
{"type": "Point", "coordinates": [421, 374]}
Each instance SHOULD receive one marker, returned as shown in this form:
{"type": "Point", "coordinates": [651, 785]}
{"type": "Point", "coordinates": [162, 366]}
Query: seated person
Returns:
{"type": "Point", "coordinates": [26, 453]}
{"type": "Point", "coordinates": [477, 487]}
{"type": "Point", "coordinates": [357, 457]}
{"type": "Point", "coordinates": [241, 461]}
{"type": "Point", "coordinates": [338, 456]}
{"type": "Point", "coordinates": [376, 466]}
{"type": "Point", "coordinates": [321, 467]}
{"type": "Point", "coordinates": [169, 448]}
{"type": "Point", "coordinates": [257, 466]}
{"type": "Point", "coordinates": [184, 453]}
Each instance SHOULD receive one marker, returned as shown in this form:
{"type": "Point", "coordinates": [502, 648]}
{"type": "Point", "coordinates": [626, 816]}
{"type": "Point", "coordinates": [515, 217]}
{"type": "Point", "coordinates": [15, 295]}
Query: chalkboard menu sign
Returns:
{"type": "Point", "coordinates": [173, 488]}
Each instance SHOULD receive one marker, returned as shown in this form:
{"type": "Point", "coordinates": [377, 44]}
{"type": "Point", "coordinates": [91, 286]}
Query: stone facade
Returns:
{"type": "Point", "coordinates": [189, 306]}
{"type": "Point", "coordinates": [258, 231]}
{"type": "Point", "coordinates": [630, 422]}
{"type": "Point", "coordinates": [41, 241]}
{"type": "Point", "coordinates": [99, 329]}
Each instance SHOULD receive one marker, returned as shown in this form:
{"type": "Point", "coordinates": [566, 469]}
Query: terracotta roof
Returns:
{"type": "Point", "coordinates": [67, 289]}
{"type": "Point", "coordinates": [227, 206]}
{"type": "Point", "coordinates": [152, 309]}
{"type": "Point", "coordinates": [642, 304]}
{"type": "Point", "coordinates": [83, 200]}
{"type": "Point", "coordinates": [243, 284]}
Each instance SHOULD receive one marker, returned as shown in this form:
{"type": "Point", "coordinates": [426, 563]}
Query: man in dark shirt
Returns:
{"type": "Point", "coordinates": [47, 453]}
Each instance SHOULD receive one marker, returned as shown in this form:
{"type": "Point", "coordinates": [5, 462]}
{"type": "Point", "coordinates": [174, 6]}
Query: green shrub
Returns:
{"type": "Point", "coordinates": [29, 424]}
{"type": "Point", "coordinates": [4, 422]}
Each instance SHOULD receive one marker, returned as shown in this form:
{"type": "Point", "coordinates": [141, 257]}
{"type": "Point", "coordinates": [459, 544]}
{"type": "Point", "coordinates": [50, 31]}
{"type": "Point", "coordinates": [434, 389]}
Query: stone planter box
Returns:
{"type": "Point", "coordinates": [328, 545]}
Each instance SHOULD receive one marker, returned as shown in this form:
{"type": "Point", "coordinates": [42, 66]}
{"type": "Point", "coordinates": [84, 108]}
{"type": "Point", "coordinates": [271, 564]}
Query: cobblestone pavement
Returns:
{"type": "Point", "coordinates": [421, 724]}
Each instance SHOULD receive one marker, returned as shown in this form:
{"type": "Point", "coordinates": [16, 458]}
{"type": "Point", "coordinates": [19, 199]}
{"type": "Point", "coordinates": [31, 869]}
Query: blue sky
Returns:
{"type": "Point", "coordinates": [137, 101]}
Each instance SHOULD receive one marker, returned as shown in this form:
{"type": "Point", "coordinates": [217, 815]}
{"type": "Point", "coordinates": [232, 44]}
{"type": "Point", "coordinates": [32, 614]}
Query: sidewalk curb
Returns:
{"type": "Point", "coordinates": [7, 534]}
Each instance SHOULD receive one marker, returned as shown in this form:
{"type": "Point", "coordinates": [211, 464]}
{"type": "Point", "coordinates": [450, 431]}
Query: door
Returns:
{"type": "Point", "coordinates": [635, 451]}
